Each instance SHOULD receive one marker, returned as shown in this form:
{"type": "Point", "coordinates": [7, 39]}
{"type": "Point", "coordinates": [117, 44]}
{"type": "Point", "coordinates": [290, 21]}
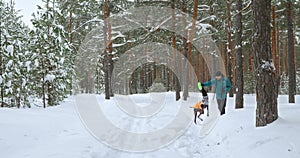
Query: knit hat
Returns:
{"type": "Point", "coordinates": [219, 73]}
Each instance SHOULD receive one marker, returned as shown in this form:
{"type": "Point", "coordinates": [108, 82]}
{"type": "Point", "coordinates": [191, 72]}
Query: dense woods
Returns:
{"type": "Point", "coordinates": [258, 40]}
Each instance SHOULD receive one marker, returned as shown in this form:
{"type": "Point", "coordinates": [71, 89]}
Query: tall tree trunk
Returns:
{"type": "Point", "coordinates": [154, 73]}
{"type": "Point", "coordinates": [212, 13]}
{"type": "Point", "coordinates": [286, 59]}
{"type": "Point", "coordinates": [149, 73]}
{"type": "Point", "coordinates": [1, 65]}
{"type": "Point", "coordinates": [50, 68]}
{"type": "Point", "coordinates": [229, 46]}
{"type": "Point", "coordinates": [212, 23]}
{"type": "Point", "coordinates": [186, 55]}
{"type": "Point", "coordinates": [239, 57]}
{"type": "Point", "coordinates": [110, 54]}
{"type": "Point", "coordinates": [176, 64]}
{"type": "Point", "coordinates": [44, 71]}
{"type": "Point", "coordinates": [191, 40]}
{"type": "Point", "coordinates": [43, 80]}
{"type": "Point", "coordinates": [225, 56]}
{"type": "Point", "coordinates": [106, 51]}
{"type": "Point", "coordinates": [198, 67]}
{"type": "Point", "coordinates": [274, 40]}
{"type": "Point", "coordinates": [266, 81]}
{"type": "Point", "coordinates": [71, 41]}
{"type": "Point", "coordinates": [144, 78]}
{"type": "Point", "coordinates": [291, 53]}
{"type": "Point", "coordinates": [167, 75]}
{"type": "Point", "coordinates": [251, 67]}
{"type": "Point", "coordinates": [278, 52]}
{"type": "Point", "coordinates": [192, 32]}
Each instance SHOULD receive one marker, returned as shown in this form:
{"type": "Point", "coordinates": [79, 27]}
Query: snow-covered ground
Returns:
{"type": "Point", "coordinates": [58, 132]}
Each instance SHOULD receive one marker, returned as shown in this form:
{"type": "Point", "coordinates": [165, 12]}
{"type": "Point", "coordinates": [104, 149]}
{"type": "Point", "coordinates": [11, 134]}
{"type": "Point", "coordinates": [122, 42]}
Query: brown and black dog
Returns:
{"type": "Point", "coordinates": [200, 106]}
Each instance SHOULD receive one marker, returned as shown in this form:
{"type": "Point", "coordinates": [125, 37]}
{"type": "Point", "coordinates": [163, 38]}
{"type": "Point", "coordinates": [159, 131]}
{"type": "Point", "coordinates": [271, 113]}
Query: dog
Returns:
{"type": "Point", "coordinates": [201, 105]}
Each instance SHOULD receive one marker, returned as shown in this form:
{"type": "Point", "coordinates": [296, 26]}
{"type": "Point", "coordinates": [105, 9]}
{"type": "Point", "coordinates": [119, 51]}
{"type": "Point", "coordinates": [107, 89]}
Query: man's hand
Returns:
{"type": "Point", "coordinates": [200, 86]}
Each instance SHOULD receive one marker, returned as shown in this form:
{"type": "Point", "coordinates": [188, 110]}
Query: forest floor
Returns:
{"type": "Point", "coordinates": [58, 132]}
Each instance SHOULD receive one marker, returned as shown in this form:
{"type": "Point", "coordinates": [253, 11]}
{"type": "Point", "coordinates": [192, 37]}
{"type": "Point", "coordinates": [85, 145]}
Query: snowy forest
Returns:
{"type": "Point", "coordinates": [38, 62]}
{"type": "Point", "coordinates": [146, 63]}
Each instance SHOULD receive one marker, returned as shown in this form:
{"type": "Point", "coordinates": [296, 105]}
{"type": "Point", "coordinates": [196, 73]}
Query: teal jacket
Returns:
{"type": "Point", "coordinates": [223, 86]}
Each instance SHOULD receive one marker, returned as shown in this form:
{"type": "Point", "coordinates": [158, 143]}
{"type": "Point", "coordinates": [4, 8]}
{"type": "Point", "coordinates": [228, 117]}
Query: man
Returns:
{"type": "Point", "coordinates": [222, 86]}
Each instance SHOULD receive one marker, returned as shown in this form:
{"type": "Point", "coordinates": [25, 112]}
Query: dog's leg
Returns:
{"type": "Point", "coordinates": [195, 113]}
{"type": "Point", "coordinates": [201, 112]}
{"type": "Point", "coordinates": [207, 111]}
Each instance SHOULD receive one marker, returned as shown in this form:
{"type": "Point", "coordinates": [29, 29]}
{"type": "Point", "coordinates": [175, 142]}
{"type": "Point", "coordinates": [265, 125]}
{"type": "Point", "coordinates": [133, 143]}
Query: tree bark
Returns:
{"type": "Point", "coordinates": [43, 81]}
{"type": "Point", "coordinates": [149, 74]}
{"type": "Point", "coordinates": [239, 57]}
{"type": "Point", "coordinates": [229, 46]}
{"type": "Point", "coordinates": [186, 55]}
{"type": "Point", "coordinates": [167, 75]}
{"type": "Point", "coordinates": [286, 59]}
{"type": "Point", "coordinates": [145, 78]}
{"type": "Point", "coordinates": [224, 56]}
{"type": "Point", "coordinates": [192, 32]}
{"type": "Point", "coordinates": [50, 67]}
{"type": "Point", "coordinates": [278, 52]}
{"type": "Point", "coordinates": [251, 66]}
{"type": "Point", "coordinates": [291, 53]}
{"type": "Point", "coordinates": [110, 54]}
{"type": "Point", "coordinates": [265, 73]}
{"type": "Point", "coordinates": [106, 51]}
{"type": "Point", "coordinates": [274, 40]}
{"type": "Point", "coordinates": [191, 40]}
{"type": "Point", "coordinates": [213, 24]}
{"type": "Point", "coordinates": [1, 65]}
{"type": "Point", "coordinates": [71, 41]}
{"type": "Point", "coordinates": [43, 65]}
{"type": "Point", "coordinates": [176, 65]}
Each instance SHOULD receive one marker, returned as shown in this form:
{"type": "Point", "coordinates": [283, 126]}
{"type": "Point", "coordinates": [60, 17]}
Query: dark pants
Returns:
{"type": "Point", "coordinates": [221, 105]}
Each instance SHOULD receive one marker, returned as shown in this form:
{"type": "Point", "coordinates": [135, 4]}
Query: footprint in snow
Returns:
{"type": "Point", "coordinates": [263, 142]}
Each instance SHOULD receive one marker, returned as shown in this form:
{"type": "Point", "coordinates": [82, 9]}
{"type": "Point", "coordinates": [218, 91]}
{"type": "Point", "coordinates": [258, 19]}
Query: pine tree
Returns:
{"type": "Point", "coordinates": [83, 18]}
{"type": "Point", "coordinates": [239, 56]}
{"type": "Point", "coordinates": [15, 64]}
{"type": "Point", "coordinates": [1, 53]}
{"type": "Point", "coordinates": [106, 63]}
{"type": "Point", "coordinates": [291, 52]}
{"type": "Point", "coordinates": [176, 65]}
{"type": "Point", "coordinates": [54, 70]}
{"type": "Point", "coordinates": [266, 82]}
{"type": "Point", "coordinates": [229, 47]}
{"type": "Point", "coordinates": [186, 55]}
